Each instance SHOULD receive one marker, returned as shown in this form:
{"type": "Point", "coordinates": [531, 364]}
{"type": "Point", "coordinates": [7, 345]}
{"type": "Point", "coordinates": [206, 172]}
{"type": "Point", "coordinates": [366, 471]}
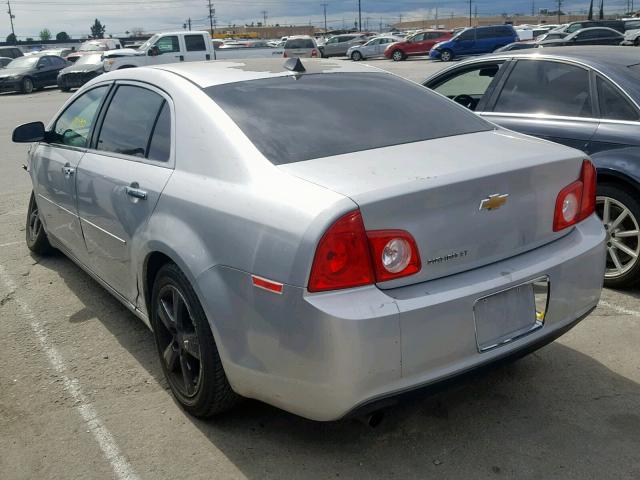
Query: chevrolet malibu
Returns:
{"type": "Point", "coordinates": [321, 271]}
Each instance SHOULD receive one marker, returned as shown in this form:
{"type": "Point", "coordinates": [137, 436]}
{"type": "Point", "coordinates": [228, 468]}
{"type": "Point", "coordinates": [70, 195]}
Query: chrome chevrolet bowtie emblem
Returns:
{"type": "Point", "coordinates": [494, 201]}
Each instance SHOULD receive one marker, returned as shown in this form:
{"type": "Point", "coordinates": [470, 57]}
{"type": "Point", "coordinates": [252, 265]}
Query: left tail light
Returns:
{"type": "Point", "coordinates": [314, 53]}
{"type": "Point", "coordinates": [577, 200]}
{"type": "Point", "coordinates": [347, 256]}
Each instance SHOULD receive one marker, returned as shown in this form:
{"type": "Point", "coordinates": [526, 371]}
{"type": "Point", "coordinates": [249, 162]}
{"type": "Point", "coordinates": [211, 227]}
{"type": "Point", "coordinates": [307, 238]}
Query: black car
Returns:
{"type": "Point", "coordinates": [586, 36]}
{"type": "Point", "coordinates": [618, 25]}
{"type": "Point", "coordinates": [79, 73]}
{"type": "Point", "coordinates": [586, 98]}
{"type": "Point", "coordinates": [25, 74]}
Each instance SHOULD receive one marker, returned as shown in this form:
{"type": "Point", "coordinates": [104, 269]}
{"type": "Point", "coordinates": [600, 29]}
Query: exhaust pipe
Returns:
{"type": "Point", "coordinates": [372, 419]}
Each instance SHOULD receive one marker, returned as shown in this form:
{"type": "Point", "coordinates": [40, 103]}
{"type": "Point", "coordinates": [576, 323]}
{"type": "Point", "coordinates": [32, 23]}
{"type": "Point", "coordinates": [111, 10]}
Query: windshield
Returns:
{"type": "Point", "coordinates": [92, 59]}
{"type": "Point", "coordinates": [322, 115]}
{"type": "Point", "coordinates": [23, 62]}
{"type": "Point", "coordinates": [148, 43]}
{"type": "Point", "coordinates": [93, 47]}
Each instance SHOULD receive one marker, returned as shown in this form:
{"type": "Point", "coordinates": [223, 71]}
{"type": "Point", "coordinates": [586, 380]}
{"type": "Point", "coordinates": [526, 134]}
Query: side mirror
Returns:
{"type": "Point", "coordinates": [39, 67]}
{"type": "Point", "coordinates": [28, 133]}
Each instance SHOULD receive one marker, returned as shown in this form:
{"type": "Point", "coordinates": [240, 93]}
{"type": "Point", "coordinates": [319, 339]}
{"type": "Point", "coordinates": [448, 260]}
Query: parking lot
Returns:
{"type": "Point", "coordinates": [82, 393]}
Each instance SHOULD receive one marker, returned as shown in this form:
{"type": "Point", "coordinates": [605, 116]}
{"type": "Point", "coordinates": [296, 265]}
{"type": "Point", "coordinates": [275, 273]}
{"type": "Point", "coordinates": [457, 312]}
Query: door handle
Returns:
{"type": "Point", "coordinates": [68, 171]}
{"type": "Point", "coordinates": [135, 192]}
{"type": "Point", "coordinates": [181, 57]}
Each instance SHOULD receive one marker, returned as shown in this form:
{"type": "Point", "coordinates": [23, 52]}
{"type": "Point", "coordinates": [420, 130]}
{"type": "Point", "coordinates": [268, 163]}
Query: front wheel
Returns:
{"type": "Point", "coordinates": [356, 56]}
{"type": "Point", "coordinates": [186, 346]}
{"type": "Point", "coordinates": [27, 85]}
{"type": "Point", "coordinates": [636, 42]}
{"type": "Point", "coordinates": [397, 56]}
{"type": "Point", "coordinates": [446, 55]}
{"type": "Point", "coordinates": [36, 237]}
{"type": "Point", "coordinates": [620, 214]}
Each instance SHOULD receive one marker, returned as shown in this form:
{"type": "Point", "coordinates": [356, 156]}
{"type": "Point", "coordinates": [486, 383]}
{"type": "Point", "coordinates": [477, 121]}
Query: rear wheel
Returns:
{"type": "Point", "coordinates": [397, 56]}
{"type": "Point", "coordinates": [36, 237]}
{"type": "Point", "coordinates": [356, 56]}
{"type": "Point", "coordinates": [620, 214]}
{"type": "Point", "coordinates": [27, 85]}
{"type": "Point", "coordinates": [636, 42]}
{"type": "Point", "coordinates": [186, 346]}
{"type": "Point", "coordinates": [446, 55]}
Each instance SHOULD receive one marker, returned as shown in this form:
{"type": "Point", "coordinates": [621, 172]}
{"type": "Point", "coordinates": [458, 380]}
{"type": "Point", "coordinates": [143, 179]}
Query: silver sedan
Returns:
{"type": "Point", "coordinates": [372, 49]}
{"type": "Point", "coordinates": [318, 270]}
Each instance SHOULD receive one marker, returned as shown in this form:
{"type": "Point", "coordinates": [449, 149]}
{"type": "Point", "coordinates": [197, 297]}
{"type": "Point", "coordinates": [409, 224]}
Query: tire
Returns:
{"type": "Point", "coordinates": [446, 55]}
{"type": "Point", "coordinates": [636, 42]}
{"type": "Point", "coordinates": [126, 66]}
{"type": "Point", "coordinates": [27, 85]}
{"type": "Point", "coordinates": [181, 337]}
{"type": "Point", "coordinates": [356, 56]}
{"type": "Point", "coordinates": [622, 269]}
{"type": "Point", "coordinates": [397, 56]}
{"type": "Point", "coordinates": [35, 235]}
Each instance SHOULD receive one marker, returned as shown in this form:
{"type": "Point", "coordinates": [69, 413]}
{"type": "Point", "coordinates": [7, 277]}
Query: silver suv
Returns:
{"type": "Point", "coordinates": [338, 45]}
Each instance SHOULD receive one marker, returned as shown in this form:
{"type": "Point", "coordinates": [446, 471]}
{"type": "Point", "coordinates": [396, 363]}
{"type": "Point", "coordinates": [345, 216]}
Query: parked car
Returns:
{"type": "Point", "coordinates": [11, 52]}
{"type": "Point", "coordinates": [301, 46]}
{"type": "Point", "coordinates": [551, 93]}
{"type": "Point", "coordinates": [56, 52]}
{"type": "Point", "coordinates": [631, 37]}
{"type": "Point", "coordinates": [517, 46]}
{"type": "Point", "coordinates": [372, 49]}
{"type": "Point", "coordinates": [573, 27]}
{"type": "Point", "coordinates": [289, 263]}
{"type": "Point", "coordinates": [168, 47]}
{"type": "Point", "coordinates": [586, 36]}
{"type": "Point", "coordinates": [418, 44]}
{"type": "Point", "coordinates": [26, 74]}
{"type": "Point", "coordinates": [338, 45]}
{"type": "Point", "coordinates": [4, 61]}
{"type": "Point", "coordinates": [631, 24]}
{"type": "Point", "coordinates": [76, 75]}
{"type": "Point", "coordinates": [474, 41]}
{"type": "Point", "coordinates": [93, 46]}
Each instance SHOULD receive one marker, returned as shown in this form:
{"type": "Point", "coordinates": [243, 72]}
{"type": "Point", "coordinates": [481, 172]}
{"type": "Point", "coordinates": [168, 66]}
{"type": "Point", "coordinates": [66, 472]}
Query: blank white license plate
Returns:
{"type": "Point", "coordinates": [505, 316]}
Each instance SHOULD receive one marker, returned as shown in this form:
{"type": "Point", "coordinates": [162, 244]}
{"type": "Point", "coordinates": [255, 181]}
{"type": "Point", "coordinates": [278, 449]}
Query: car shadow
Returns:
{"type": "Point", "coordinates": [557, 413]}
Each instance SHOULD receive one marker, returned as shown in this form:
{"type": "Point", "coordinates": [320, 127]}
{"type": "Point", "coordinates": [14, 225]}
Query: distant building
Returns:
{"type": "Point", "coordinates": [262, 32]}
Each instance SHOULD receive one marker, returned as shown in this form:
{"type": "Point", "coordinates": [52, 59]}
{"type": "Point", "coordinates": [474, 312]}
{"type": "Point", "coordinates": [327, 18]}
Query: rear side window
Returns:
{"type": "Point", "coordinates": [194, 43]}
{"type": "Point", "coordinates": [551, 88]}
{"type": "Point", "coordinates": [299, 43]}
{"type": "Point", "coordinates": [323, 115]}
{"type": "Point", "coordinates": [613, 105]}
{"type": "Point", "coordinates": [160, 144]}
{"type": "Point", "coordinates": [130, 121]}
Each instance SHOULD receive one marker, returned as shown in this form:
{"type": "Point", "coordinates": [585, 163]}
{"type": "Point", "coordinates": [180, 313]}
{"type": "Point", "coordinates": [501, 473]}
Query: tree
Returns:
{"type": "Point", "coordinates": [45, 34]}
{"type": "Point", "coordinates": [11, 39]}
{"type": "Point", "coordinates": [97, 29]}
{"type": "Point", "coordinates": [63, 37]}
{"type": "Point", "coordinates": [137, 31]}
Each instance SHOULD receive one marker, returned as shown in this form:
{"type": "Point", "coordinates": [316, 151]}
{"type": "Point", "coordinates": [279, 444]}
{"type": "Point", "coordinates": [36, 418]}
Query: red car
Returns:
{"type": "Point", "coordinates": [418, 44]}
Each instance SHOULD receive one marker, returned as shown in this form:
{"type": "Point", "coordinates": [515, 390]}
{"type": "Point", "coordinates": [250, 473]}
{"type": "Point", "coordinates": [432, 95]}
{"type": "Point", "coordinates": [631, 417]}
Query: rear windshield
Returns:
{"type": "Point", "coordinates": [321, 115]}
{"type": "Point", "coordinates": [299, 43]}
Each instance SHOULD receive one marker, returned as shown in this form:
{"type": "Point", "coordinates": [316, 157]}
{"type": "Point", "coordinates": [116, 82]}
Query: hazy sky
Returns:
{"type": "Point", "coordinates": [75, 16]}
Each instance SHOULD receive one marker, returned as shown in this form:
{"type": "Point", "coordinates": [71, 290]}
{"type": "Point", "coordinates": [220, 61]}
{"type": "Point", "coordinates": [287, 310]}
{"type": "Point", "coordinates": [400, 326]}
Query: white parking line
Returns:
{"type": "Point", "coordinates": [616, 308]}
{"type": "Point", "coordinates": [119, 463]}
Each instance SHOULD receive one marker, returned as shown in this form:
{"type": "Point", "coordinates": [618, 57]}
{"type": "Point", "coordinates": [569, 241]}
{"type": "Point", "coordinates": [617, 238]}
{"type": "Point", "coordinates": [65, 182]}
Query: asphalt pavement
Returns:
{"type": "Point", "coordinates": [82, 393]}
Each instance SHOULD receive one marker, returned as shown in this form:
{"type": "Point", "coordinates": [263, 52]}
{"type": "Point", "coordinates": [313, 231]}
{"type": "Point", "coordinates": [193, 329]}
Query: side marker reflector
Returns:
{"type": "Point", "coordinates": [265, 284]}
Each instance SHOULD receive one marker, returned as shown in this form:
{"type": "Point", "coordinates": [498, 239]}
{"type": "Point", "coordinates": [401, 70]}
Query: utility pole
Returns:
{"type": "Point", "coordinates": [189, 23]}
{"type": "Point", "coordinates": [264, 18]}
{"type": "Point", "coordinates": [212, 16]}
{"type": "Point", "coordinates": [475, 13]}
{"type": "Point", "coordinates": [359, 15]}
{"type": "Point", "coordinates": [401, 20]}
{"type": "Point", "coordinates": [11, 17]}
{"type": "Point", "coordinates": [533, 7]}
{"type": "Point", "coordinates": [380, 25]}
{"type": "Point", "coordinates": [324, 7]}
{"type": "Point", "coordinates": [559, 8]}
{"type": "Point", "coordinates": [469, 12]}
{"type": "Point", "coordinates": [437, 18]}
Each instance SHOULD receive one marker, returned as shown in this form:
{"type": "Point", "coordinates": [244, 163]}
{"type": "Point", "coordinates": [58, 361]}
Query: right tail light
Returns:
{"type": "Point", "coordinates": [577, 200]}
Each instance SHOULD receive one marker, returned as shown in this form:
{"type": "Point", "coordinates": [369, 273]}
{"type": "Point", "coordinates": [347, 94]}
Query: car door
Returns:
{"type": "Point", "coordinates": [465, 44]}
{"type": "Point", "coordinates": [382, 45]}
{"type": "Point", "coordinates": [195, 48]}
{"type": "Point", "coordinates": [548, 99]}
{"type": "Point", "coordinates": [54, 166]}
{"type": "Point", "coordinates": [414, 47]}
{"type": "Point", "coordinates": [168, 50]}
{"type": "Point", "coordinates": [120, 179]}
{"type": "Point", "coordinates": [42, 72]}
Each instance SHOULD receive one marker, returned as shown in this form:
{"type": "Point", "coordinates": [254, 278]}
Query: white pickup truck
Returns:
{"type": "Point", "coordinates": [168, 47]}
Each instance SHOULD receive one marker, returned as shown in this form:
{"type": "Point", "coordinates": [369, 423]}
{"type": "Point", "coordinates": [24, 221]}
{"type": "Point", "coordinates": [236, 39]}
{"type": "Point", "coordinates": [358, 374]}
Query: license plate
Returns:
{"type": "Point", "coordinates": [505, 316]}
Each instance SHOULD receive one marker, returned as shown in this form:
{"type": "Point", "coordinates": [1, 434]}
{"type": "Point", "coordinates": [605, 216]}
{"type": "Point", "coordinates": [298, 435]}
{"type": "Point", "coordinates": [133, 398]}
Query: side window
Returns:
{"type": "Point", "coordinates": [130, 121]}
{"type": "Point", "coordinates": [44, 62]}
{"type": "Point", "coordinates": [552, 88]}
{"type": "Point", "coordinates": [160, 144]}
{"type": "Point", "coordinates": [168, 44]}
{"type": "Point", "coordinates": [195, 43]}
{"type": "Point", "coordinates": [472, 82]}
{"type": "Point", "coordinates": [332, 40]}
{"type": "Point", "coordinates": [74, 125]}
{"type": "Point", "coordinates": [613, 105]}
{"type": "Point", "coordinates": [468, 35]}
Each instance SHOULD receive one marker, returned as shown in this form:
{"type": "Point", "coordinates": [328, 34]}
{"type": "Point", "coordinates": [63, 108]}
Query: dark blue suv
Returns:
{"type": "Point", "coordinates": [474, 41]}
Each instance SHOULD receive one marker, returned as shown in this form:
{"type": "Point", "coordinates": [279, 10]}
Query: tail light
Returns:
{"type": "Point", "coordinates": [576, 201]}
{"type": "Point", "coordinates": [348, 256]}
{"type": "Point", "coordinates": [314, 53]}
{"type": "Point", "coordinates": [284, 55]}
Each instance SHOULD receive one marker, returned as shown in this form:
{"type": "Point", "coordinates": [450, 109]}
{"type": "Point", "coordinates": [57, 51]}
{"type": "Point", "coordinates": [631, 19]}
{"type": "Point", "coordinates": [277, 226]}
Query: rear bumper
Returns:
{"type": "Point", "coordinates": [323, 355]}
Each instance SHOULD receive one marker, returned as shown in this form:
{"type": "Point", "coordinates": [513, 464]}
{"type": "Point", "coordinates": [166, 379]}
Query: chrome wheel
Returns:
{"type": "Point", "coordinates": [178, 341]}
{"type": "Point", "coordinates": [397, 56]}
{"type": "Point", "coordinates": [445, 56]}
{"type": "Point", "coordinates": [35, 225]}
{"type": "Point", "coordinates": [356, 56]}
{"type": "Point", "coordinates": [623, 236]}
